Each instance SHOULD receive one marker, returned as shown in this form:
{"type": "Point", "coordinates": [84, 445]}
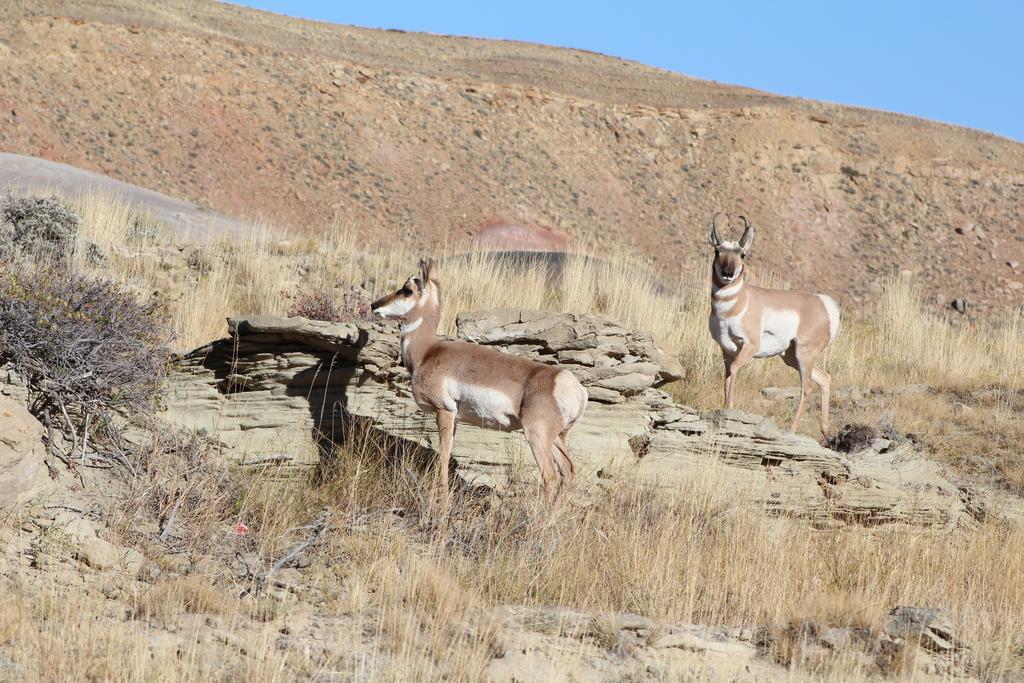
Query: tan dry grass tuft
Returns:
{"type": "Point", "coordinates": [168, 600]}
{"type": "Point", "coordinates": [897, 339]}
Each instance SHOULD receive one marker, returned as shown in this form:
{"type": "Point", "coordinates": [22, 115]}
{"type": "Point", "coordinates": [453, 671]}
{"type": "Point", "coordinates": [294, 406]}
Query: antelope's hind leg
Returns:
{"type": "Point", "coordinates": [542, 443]}
{"type": "Point", "coordinates": [824, 382]}
{"type": "Point", "coordinates": [563, 461]}
{"type": "Point", "coordinates": [803, 362]}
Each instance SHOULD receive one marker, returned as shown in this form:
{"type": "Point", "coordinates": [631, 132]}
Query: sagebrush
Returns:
{"type": "Point", "coordinates": [87, 348]}
{"type": "Point", "coordinates": [40, 227]}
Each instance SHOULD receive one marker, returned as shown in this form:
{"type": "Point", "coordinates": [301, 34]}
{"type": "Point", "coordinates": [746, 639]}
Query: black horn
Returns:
{"type": "Point", "coordinates": [715, 237]}
{"type": "Point", "coordinates": [748, 234]}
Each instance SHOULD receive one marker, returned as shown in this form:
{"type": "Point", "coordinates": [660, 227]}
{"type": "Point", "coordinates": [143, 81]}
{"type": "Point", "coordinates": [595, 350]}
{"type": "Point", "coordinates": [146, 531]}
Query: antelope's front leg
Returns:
{"type": "Point", "coordinates": [733, 365]}
{"type": "Point", "coordinates": [446, 437]}
{"type": "Point", "coordinates": [727, 381]}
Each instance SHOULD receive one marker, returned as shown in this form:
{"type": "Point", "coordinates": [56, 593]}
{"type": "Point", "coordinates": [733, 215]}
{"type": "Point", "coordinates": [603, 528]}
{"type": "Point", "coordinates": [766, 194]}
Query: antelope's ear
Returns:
{"type": "Point", "coordinates": [429, 271]}
{"type": "Point", "coordinates": [748, 235]}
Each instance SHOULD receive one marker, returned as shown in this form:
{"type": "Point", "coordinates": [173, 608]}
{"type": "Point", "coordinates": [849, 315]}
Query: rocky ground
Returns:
{"type": "Point", "coordinates": [227, 608]}
{"type": "Point", "coordinates": [433, 138]}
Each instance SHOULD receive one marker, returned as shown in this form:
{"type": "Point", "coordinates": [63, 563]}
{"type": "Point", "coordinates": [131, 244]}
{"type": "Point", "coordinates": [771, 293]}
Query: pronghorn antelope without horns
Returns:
{"type": "Point", "coordinates": [464, 382]}
{"type": "Point", "coordinates": [754, 322]}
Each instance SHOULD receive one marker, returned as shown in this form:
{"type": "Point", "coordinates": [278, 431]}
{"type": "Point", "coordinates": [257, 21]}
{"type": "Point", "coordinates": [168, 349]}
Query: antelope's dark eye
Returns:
{"type": "Point", "coordinates": [743, 256]}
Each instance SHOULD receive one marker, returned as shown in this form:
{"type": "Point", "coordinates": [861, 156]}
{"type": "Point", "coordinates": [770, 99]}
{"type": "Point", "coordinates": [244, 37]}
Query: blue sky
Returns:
{"type": "Point", "coordinates": [958, 62]}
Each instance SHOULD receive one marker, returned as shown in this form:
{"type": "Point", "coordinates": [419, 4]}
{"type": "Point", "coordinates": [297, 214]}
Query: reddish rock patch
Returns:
{"type": "Point", "coordinates": [507, 236]}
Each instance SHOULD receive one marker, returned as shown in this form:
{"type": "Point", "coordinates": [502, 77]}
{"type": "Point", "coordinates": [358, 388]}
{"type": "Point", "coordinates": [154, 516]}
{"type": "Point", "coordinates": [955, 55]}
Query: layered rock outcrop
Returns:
{"type": "Point", "coordinates": [278, 389]}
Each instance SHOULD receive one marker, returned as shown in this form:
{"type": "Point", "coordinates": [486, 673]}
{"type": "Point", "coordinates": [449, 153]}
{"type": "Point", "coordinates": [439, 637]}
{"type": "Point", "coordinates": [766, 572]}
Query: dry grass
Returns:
{"type": "Point", "coordinates": [406, 585]}
{"type": "Point", "coordinates": [168, 600]}
{"type": "Point", "coordinates": [65, 633]}
{"type": "Point", "coordinates": [418, 580]}
{"type": "Point", "coordinates": [891, 341]}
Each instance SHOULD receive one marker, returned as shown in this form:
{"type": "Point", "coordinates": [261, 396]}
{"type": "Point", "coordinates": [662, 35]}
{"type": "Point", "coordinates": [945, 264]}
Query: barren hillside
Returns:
{"type": "Point", "coordinates": [427, 138]}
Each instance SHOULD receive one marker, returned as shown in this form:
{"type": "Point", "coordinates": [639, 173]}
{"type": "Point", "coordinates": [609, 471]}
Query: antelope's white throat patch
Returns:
{"type": "Point", "coordinates": [406, 330]}
{"type": "Point", "coordinates": [429, 294]}
{"type": "Point", "coordinates": [723, 307]}
{"type": "Point", "coordinates": [729, 290]}
{"type": "Point", "coordinates": [478, 404]}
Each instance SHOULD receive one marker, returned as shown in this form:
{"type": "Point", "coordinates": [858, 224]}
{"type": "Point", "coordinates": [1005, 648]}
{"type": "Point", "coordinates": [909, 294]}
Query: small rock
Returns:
{"type": "Point", "coordinates": [697, 639]}
{"type": "Point", "coordinates": [602, 395]}
{"type": "Point", "coordinates": [849, 393]}
{"type": "Point", "coordinates": [296, 621]}
{"type": "Point", "coordinates": [101, 554]}
{"type": "Point", "coordinates": [780, 393]}
{"type": "Point", "coordinates": [959, 305]}
{"type": "Point", "coordinates": [288, 578]}
{"type": "Point", "coordinates": [77, 529]}
{"type": "Point", "coordinates": [688, 425]}
{"type": "Point", "coordinates": [670, 415]}
{"type": "Point", "coordinates": [835, 638]}
{"type": "Point", "coordinates": [909, 390]}
{"type": "Point", "coordinates": [247, 564]}
{"type": "Point", "coordinates": [928, 627]}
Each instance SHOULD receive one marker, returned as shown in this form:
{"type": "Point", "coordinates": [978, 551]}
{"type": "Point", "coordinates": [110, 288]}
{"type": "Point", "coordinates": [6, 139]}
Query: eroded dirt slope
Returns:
{"type": "Point", "coordinates": [427, 138]}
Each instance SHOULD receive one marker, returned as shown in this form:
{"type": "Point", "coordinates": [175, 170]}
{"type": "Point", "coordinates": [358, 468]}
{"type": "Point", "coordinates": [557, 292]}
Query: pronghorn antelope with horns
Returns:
{"type": "Point", "coordinates": [754, 322]}
{"type": "Point", "coordinates": [463, 382]}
